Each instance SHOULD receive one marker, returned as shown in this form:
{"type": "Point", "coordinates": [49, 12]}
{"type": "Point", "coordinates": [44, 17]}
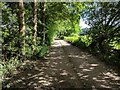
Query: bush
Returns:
{"type": "Point", "coordinates": [79, 41]}
{"type": "Point", "coordinates": [7, 68]}
{"type": "Point", "coordinates": [71, 39]}
{"type": "Point", "coordinates": [40, 51]}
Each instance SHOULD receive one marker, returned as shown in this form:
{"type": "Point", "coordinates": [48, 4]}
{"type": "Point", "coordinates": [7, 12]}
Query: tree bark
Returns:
{"type": "Point", "coordinates": [35, 23]}
{"type": "Point", "coordinates": [21, 18]}
{"type": "Point", "coordinates": [21, 27]}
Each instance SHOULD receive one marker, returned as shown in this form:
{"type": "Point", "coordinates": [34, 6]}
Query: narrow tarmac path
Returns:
{"type": "Point", "coordinates": [65, 67]}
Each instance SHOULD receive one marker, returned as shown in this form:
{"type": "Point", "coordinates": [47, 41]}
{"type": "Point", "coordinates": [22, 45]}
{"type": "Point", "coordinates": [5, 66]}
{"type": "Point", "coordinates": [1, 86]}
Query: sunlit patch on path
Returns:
{"type": "Point", "coordinates": [66, 66]}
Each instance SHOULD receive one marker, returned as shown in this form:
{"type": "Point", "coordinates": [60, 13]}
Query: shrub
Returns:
{"type": "Point", "coordinates": [80, 41]}
{"type": "Point", "coordinates": [9, 67]}
{"type": "Point", "coordinates": [41, 51]}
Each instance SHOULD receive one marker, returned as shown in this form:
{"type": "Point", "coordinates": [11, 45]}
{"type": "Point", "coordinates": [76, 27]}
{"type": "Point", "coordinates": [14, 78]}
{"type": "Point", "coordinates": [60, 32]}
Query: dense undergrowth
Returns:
{"type": "Point", "coordinates": [8, 68]}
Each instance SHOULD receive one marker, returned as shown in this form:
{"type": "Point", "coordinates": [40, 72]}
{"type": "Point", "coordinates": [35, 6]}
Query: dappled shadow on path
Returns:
{"type": "Point", "coordinates": [53, 72]}
{"type": "Point", "coordinates": [65, 66]}
{"type": "Point", "coordinates": [92, 72]}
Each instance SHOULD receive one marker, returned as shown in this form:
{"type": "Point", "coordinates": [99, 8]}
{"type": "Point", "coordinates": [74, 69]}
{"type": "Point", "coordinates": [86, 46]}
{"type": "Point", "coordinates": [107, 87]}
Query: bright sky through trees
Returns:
{"type": "Point", "coordinates": [83, 24]}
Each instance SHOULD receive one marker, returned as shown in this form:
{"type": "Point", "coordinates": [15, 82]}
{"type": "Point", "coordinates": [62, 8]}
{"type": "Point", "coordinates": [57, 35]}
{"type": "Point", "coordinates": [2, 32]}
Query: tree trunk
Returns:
{"type": "Point", "coordinates": [21, 27]}
{"type": "Point", "coordinates": [21, 18]}
{"type": "Point", "coordinates": [35, 24]}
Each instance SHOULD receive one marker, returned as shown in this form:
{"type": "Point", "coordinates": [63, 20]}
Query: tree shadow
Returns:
{"type": "Point", "coordinates": [54, 71]}
{"type": "Point", "coordinates": [92, 72]}
{"type": "Point", "coordinates": [65, 66]}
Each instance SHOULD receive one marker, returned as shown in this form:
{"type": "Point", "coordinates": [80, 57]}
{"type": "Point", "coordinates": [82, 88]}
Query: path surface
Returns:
{"type": "Point", "coordinates": [66, 66]}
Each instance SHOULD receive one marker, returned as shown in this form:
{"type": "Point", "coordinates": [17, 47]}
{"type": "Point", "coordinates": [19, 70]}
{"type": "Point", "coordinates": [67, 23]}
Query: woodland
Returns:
{"type": "Point", "coordinates": [30, 28]}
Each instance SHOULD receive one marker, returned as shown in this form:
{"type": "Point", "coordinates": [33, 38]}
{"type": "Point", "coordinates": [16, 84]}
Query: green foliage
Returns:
{"type": "Point", "coordinates": [63, 18]}
{"type": "Point", "coordinates": [28, 51]}
{"type": "Point", "coordinates": [86, 39]}
{"type": "Point", "coordinates": [115, 43]}
{"type": "Point", "coordinates": [103, 19]}
{"type": "Point", "coordinates": [76, 41]}
{"type": "Point", "coordinates": [10, 33]}
{"type": "Point", "coordinates": [40, 51]}
{"type": "Point", "coordinates": [80, 41]}
{"type": "Point", "coordinates": [9, 67]}
{"type": "Point", "coordinates": [71, 39]}
{"type": "Point", "coordinates": [43, 51]}
{"type": "Point", "coordinates": [51, 33]}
